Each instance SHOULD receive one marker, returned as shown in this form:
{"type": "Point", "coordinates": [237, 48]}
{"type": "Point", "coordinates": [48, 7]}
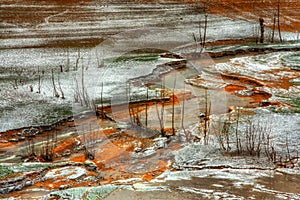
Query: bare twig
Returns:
{"type": "Point", "coordinates": [53, 83]}
{"type": "Point", "coordinates": [173, 106]}
{"type": "Point", "coordinates": [278, 20]}
{"type": "Point", "coordinates": [60, 88]}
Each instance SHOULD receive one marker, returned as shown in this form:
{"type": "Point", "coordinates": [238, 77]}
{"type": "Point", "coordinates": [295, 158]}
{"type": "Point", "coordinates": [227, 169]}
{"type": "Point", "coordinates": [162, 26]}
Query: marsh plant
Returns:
{"type": "Point", "coordinates": [251, 137]}
{"type": "Point", "coordinates": [241, 136]}
{"type": "Point", "coordinates": [47, 149]}
{"type": "Point", "coordinates": [90, 138]}
{"type": "Point", "coordinates": [39, 151]}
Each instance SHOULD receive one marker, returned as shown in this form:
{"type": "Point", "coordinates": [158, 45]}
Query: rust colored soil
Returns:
{"type": "Point", "coordinates": [80, 158]}
{"type": "Point", "coordinates": [67, 144]}
{"type": "Point", "coordinates": [260, 96]}
{"type": "Point", "coordinates": [148, 176]}
{"type": "Point", "coordinates": [289, 13]}
{"type": "Point", "coordinates": [3, 145]}
{"type": "Point", "coordinates": [284, 81]}
{"type": "Point", "coordinates": [232, 88]}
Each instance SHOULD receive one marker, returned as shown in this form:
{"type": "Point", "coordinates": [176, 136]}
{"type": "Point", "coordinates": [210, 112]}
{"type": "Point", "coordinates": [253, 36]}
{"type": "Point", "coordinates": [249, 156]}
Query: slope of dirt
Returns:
{"type": "Point", "coordinates": [289, 10]}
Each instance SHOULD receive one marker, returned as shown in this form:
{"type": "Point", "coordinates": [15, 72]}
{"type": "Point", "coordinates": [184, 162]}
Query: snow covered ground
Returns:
{"type": "Point", "coordinates": [20, 66]}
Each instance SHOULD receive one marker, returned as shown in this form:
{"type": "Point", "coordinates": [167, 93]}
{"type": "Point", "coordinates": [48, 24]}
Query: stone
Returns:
{"type": "Point", "coordinates": [91, 165]}
{"type": "Point", "coordinates": [66, 186]}
{"type": "Point", "coordinates": [137, 149]}
{"type": "Point", "coordinates": [13, 140]}
{"type": "Point", "coordinates": [22, 138]}
{"type": "Point", "coordinates": [160, 142]}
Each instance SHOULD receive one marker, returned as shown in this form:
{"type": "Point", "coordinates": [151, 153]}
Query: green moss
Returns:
{"type": "Point", "coordinates": [295, 81]}
{"type": "Point", "coordinates": [140, 58]}
{"type": "Point", "coordinates": [104, 101]}
{"type": "Point", "coordinates": [5, 171]}
{"type": "Point", "coordinates": [294, 102]}
{"type": "Point", "coordinates": [13, 78]}
{"type": "Point", "coordinates": [51, 113]}
{"type": "Point", "coordinates": [63, 111]}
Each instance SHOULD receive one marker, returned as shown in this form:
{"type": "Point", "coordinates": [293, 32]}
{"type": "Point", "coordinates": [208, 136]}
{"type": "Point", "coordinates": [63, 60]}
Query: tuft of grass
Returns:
{"type": "Point", "coordinates": [296, 104]}
{"type": "Point", "coordinates": [295, 81]}
{"type": "Point", "coordinates": [57, 113]}
{"type": "Point", "coordinates": [63, 110]}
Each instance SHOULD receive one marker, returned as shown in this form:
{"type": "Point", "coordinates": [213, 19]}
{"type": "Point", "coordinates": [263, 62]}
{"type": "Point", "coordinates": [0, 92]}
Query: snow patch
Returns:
{"type": "Point", "coordinates": [66, 172]}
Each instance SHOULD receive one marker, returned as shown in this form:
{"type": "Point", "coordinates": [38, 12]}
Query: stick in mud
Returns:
{"type": "Point", "coordinates": [60, 88]}
{"type": "Point", "coordinates": [238, 141]}
{"type": "Point", "coordinates": [273, 29]}
{"type": "Point", "coordinates": [82, 86]}
{"type": "Point", "coordinates": [206, 118]}
{"type": "Point", "coordinates": [161, 113]}
{"type": "Point", "coordinates": [101, 100]}
{"type": "Point", "coordinates": [129, 106]}
{"type": "Point", "coordinates": [39, 81]}
{"type": "Point", "coordinates": [53, 83]}
{"type": "Point", "coordinates": [278, 20]}
{"type": "Point", "coordinates": [262, 30]}
{"type": "Point", "coordinates": [77, 60]}
{"type": "Point", "coordinates": [205, 30]}
{"type": "Point", "coordinates": [200, 34]}
{"type": "Point", "coordinates": [77, 96]}
{"type": "Point", "coordinates": [146, 111]}
{"type": "Point", "coordinates": [173, 106]}
{"type": "Point", "coordinates": [182, 111]}
{"type": "Point", "coordinates": [162, 106]}
{"type": "Point", "coordinates": [68, 61]}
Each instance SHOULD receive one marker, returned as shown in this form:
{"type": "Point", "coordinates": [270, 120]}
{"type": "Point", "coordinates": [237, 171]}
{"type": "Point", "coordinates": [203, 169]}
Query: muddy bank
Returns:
{"type": "Point", "coordinates": [212, 184]}
{"type": "Point", "coordinates": [253, 10]}
{"type": "Point", "coordinates": [240, 47]}
{"type": "Point", "coordinates": [252, 50]}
